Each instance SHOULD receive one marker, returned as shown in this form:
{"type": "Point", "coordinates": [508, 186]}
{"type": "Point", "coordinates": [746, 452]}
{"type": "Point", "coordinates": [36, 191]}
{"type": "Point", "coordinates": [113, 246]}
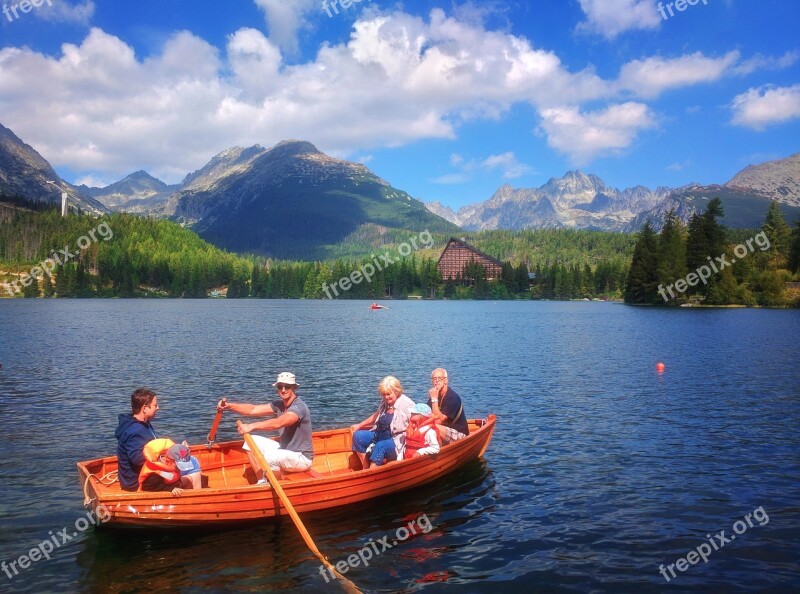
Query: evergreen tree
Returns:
{"type": "Point", "coordinates": [779, 235]}
{"type": "Point", "coordinates": [587, 283]}
{"type": "Point", "coordinates": [83, 281]}
{"type": "Point", "coordinates": [47, 286]}
{"type": "Point", "coordinates": [312, 288]}
{"type": "Point", "coordinates": [32, 289]}
{"type": "Point", "coordinates": [794, 249]}
{"type": "Point", "coordinates": [507, 276]}
{"type": "Point", "coordinates": [522, 281]}
{"type": "Point", "coordinates": [256, 288]}
{"type": "Point", "coordinates": [722, 287]}
{"type": "Point", "coordinates": [60, 284]}
{"type": "Point", "coordinates": [707, 240]}
{"type": "Point", "coordinates": [671, 250]}
{"type": "Point", "coordinates": [641, 286]}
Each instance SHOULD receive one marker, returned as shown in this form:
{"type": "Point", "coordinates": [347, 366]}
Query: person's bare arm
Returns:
{"type": "Point", "coordinates": [437, 415]}
{"type": "Point", "coordinates": [285, 420]}
{"type": "Point", "coordinates": [368, 422]}
{"type": "Point", "coordinates": [249, 410]}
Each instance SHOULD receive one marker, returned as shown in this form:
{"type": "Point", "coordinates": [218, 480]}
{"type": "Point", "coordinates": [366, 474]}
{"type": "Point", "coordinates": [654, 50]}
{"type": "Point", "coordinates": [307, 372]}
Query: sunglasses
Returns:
{"type": "Point", "coordinates": [282, 387]}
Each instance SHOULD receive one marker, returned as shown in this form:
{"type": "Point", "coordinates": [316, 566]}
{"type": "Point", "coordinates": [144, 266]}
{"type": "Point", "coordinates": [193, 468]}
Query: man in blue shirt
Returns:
{"type": "Point", "coordinates": [448, 411]}
{"type": "Point", "coordinates": [133, 432]}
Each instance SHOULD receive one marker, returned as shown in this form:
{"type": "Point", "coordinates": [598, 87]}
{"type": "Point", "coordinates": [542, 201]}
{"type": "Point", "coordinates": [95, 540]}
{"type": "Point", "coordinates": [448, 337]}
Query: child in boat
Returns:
{"type": "Point", "coordinates": [168, 467]}
{"type": "Point", "coordinates": [421, 436]}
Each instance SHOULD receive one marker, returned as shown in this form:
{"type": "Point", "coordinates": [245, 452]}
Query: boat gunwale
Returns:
{"type": "Point", "coordinates": [252, 494]}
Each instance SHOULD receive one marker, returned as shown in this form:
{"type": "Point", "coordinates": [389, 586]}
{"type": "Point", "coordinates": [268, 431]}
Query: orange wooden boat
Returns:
{"type": "Point", "coordinates": [232, 495]}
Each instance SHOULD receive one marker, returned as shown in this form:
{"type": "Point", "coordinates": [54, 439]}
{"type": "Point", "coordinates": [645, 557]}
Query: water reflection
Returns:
{"type": "Point", "coordinates": [270, 555]}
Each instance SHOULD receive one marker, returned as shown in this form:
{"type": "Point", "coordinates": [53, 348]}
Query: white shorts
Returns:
{"type": "Point", "coordinates": [277, 458]}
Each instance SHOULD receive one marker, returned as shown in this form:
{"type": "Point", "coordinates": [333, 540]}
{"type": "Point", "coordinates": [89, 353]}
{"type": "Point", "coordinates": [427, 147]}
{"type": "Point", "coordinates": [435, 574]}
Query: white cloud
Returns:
{"type": "Point", "coordinates": [507, 162]}
{"type": "Point", "coordinates": [98, 109]}
{"type": "Point", "coordinates": [612, 17]}
{"type": "Point", "coordinates": [285, 20]}
{"type": "Point", "coordinates": [764, 106]}
{"type": "Point", "coordinates": [255, 62]}
{"type": "Point", "coordinates": [61, 11]}
{"type": "Point", "coordinates": [586, 136]}
{"type": "Point", "coordinates": [652, 76]}
{"type": "Point", "coordinates": [93, 181]}
{"type": "Point", "coordinates": [680, 166]}
{"type": "Point", "coordinates": [760, 62]}
{"type": "Point", "coordinates": [452, 179]}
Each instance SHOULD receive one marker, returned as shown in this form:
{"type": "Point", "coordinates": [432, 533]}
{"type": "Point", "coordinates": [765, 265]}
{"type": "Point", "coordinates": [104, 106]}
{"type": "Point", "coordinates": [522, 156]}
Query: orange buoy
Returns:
{"type": "Point", "coordinates": [660, 367]}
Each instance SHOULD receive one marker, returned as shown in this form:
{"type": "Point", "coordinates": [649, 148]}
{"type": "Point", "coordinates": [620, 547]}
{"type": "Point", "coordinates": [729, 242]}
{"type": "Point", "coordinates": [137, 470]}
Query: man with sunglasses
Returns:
{"type": "Point", "coordinates": [294, 452]}
{"type": "Point", "coordinates": [448, 411]}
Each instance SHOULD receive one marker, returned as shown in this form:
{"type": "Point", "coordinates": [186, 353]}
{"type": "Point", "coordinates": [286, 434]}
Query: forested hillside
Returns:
{"type": "Point", "coordinates": [136, 257]}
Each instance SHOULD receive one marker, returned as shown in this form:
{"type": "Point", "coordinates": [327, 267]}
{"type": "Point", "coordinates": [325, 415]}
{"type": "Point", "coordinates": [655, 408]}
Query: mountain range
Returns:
{"type": "Point", "coordinates": [293, 201]}
{"type": "Point", "coordinates": [582, 201]}
{"type": "Point", "coordinates": [24, 173]}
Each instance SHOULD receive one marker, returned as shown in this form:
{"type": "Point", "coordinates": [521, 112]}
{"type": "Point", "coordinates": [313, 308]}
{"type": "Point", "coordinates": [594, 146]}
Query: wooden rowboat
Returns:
{"type": "Point", "coordinates": [232, 495]}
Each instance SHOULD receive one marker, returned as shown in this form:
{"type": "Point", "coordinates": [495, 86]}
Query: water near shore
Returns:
{"type": "Point", "coordinates": [601, 469]}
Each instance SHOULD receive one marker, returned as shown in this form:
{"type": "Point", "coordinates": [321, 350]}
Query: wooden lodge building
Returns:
{"type": "Point", "coordinates": [458, 253]}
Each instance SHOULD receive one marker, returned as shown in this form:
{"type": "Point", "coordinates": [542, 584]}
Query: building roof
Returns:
{"type": "Point", "coordinates": [469, 247]}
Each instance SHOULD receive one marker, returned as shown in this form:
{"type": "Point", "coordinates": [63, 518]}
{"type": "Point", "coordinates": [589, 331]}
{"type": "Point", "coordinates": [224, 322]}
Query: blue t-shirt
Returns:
{"type": "Point", "coordinates": [297, 437]}
{"type": "Point", "coordinates": [450, 405]}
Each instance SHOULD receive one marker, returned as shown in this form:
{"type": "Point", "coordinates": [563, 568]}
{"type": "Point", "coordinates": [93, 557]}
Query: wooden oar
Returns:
{"type": "Point", "coordinates": [346, 584]}
{"type": "Point", "coordinates": [213, 433]}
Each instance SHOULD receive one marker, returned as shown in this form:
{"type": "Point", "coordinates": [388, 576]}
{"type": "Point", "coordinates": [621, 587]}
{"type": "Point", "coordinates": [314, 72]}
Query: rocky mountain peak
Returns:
{"type": "Point", "coordinates": [772, 179]}
{"type": "Point", "coordinates": [292, 148]}
{"type": "Point", "coordinates": [23, 171]}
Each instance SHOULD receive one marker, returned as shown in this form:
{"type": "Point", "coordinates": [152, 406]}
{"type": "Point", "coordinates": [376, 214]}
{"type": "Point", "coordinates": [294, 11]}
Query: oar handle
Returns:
{"type": "Point", "coordinates": [276, 486]}
{"type": "Point", "coordinates": [213, 433]}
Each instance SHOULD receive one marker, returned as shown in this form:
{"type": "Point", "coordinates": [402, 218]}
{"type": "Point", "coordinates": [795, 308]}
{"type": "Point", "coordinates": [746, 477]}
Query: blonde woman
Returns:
{"type": "Point", "coordinates": [385, 439]}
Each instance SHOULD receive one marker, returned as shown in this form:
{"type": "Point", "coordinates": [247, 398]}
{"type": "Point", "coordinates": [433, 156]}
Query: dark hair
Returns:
{"type": "Point", "coordinates": [140, 398]}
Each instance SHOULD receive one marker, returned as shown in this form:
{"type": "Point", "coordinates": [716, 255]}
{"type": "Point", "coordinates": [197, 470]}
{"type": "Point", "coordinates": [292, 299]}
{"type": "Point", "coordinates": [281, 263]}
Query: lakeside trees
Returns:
{"type": "Point", "coordinates": [159, 258]}
{"type": "Point", "coordinates": [700, 263]}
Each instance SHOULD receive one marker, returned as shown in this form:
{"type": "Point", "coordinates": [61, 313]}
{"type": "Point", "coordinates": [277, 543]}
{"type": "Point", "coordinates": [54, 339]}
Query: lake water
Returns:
{"type": "Point", "coordinates": [600, 470]}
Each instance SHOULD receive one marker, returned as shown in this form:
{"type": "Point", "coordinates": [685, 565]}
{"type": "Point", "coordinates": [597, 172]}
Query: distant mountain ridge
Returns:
{"type": "Point", "coordinates": [291, 200]}
{"type": "Point", "coordinates": [26, 174]}
{"type": "Point", "coordinates": [287, 201]}
{"type": "Point", "coordinates": [577, 200]}
{"type": "Point", "coordinates": [139, 192]}
{"type": "Point", "coordinates": [772, 179]}
{"type": "Point", "coordinates": [584, 201]}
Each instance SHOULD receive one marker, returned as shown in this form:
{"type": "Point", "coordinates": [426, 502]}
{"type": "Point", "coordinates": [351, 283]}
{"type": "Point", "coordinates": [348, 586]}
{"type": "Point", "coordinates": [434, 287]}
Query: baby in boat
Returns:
{"type": "Point", "coordinates": [421, 436]}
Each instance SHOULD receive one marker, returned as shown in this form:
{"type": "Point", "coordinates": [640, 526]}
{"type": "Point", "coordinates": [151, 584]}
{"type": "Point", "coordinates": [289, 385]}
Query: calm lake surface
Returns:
{"type": "Point", "coordinates": [600, 470]}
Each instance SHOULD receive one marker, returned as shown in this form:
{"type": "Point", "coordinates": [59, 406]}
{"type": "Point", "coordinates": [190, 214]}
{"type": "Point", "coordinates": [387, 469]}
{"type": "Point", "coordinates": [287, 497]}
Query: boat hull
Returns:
{"type": "Point", "coordinates": [231, 496]}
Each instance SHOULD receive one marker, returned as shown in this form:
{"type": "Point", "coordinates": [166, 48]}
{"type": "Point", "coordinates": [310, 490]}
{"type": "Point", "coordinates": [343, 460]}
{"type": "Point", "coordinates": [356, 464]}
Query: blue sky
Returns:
{"type": "Point", "coordinates": [446, 100]}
